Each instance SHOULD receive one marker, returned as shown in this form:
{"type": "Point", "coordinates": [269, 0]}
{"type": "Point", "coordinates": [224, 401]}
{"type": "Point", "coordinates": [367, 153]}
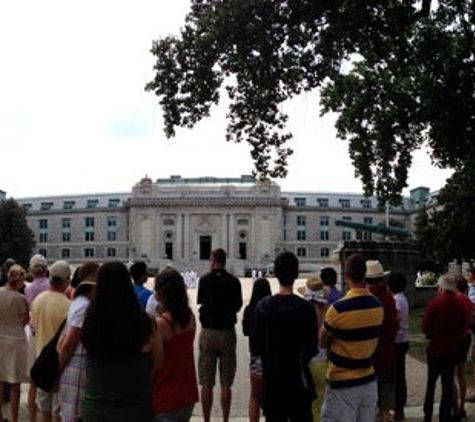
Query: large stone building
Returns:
{"type": "Point", "coordinates": [178, 221]}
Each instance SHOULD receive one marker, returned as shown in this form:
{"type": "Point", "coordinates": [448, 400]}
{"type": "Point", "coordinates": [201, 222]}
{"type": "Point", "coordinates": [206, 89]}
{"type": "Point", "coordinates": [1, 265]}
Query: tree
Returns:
{"type": "Point", "coordinates": [400, 73]}
{"type": "Point", "coordinates": [446, 232]}
{"type": "Point", "coordinates": [16, 238]}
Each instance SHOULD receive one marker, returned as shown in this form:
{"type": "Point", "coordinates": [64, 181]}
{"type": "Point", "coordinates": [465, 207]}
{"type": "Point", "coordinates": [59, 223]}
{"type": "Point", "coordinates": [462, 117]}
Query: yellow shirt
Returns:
{"type": "Point", "coordinates": [49, 309]}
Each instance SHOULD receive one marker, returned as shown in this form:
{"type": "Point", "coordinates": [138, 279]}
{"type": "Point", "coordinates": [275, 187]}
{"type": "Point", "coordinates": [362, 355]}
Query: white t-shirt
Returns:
{"type": "Point", "coordinates": [76, 314]}
{"type": "Point", "coordinates": [151, 307]}
{"type": "Point", "coordinates": [402, 335]}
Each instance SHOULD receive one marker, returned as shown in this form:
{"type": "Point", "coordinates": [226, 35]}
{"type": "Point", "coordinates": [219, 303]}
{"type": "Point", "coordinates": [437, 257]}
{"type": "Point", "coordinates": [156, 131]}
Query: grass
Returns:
{"type": "Point", "coordinates": [417, 340]}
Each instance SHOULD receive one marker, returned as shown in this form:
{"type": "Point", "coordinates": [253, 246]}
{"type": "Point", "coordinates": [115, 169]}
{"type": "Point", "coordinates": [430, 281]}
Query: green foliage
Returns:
{"type": "Point", "coordinates": [447, 232]}
{"type": "Point", "coordinates": [16, 238]}
{"type": "Point", "coordinates": [398, 73]}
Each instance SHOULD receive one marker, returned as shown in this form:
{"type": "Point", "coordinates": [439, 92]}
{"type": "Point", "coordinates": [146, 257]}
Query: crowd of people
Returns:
{"type": "Point", "coordinates": [126, 353]}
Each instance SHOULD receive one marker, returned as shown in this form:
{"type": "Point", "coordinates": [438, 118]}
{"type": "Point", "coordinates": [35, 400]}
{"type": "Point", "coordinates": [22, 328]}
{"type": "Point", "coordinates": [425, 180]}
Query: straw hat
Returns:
{"type": "Point", "coordinates": [313, 290]}
{"type": "Point", "coordinates": [374, 269]}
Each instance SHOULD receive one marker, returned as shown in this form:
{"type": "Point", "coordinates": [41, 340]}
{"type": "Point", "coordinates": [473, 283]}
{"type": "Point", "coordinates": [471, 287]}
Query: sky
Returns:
{"type": "Point", "coordinates": [75, 118]}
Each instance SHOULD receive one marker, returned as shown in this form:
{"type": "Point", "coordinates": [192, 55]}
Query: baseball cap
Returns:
{"type": "Point", "coordinates": [60, 271]}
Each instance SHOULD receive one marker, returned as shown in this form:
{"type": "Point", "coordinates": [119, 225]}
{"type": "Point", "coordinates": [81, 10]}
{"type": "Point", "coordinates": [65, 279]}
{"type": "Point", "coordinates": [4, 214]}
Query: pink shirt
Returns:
{"type": "Point", "coordinates": [37, 286]}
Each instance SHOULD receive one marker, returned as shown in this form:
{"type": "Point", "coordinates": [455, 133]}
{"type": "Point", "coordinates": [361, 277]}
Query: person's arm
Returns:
{"type": "Point", "coordinates": [67, 345]}
{"type": "Point", "coordinates": [256, 334]}
{"type": "Point", "coordinates": [325, 338]}
{"type": "Point", "coordinates": [311, 348]}
{"type": "Point", "coordinates": [156, 349]}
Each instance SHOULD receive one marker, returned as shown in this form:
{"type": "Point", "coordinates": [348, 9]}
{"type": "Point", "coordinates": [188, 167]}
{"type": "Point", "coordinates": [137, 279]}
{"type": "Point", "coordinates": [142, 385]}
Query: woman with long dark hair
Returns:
{"type": "Point", "coordinates": [175, 389]}
{"type": "Point", "coordinates": [260, 289]}
{"type": "Point", "coordinates": [123, 351]}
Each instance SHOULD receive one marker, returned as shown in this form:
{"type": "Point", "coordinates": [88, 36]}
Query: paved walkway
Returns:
{"type": "Point", "coordinates": [416, 377]}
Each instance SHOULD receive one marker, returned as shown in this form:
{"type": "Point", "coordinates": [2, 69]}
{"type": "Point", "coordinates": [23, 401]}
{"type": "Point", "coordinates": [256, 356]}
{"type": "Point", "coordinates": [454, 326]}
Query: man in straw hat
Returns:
{"type": "Point", "coordinates": [350, 334]}
{"type": "Point", "coordinates": [385, 354]}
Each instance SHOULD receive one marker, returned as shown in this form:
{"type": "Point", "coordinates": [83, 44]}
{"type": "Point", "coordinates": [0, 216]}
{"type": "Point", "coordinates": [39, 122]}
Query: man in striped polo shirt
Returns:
{"type": "Point", "coordinates": [350, 333]}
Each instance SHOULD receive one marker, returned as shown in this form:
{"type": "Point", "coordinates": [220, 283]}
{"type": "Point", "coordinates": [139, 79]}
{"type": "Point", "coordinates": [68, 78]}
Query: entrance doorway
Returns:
{"type": "Point", "coordinates": [205, 247]}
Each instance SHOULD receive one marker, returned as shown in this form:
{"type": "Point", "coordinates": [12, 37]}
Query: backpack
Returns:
{"type": "Point", "coordinates": [45, 370]}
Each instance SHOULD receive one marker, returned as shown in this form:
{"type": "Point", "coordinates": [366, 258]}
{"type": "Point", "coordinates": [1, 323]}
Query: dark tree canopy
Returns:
{"type": "Point", "coordinates": [447, 232]}
{"type": "Point", "coordinates": [400, 73]}
{"type": "Point", "coordinates": [16, 238]}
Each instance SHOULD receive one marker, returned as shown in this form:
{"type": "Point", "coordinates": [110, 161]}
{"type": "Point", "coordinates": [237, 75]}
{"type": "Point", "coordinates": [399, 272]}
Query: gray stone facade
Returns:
{"type": "Point", "coordinates": [178, 221]}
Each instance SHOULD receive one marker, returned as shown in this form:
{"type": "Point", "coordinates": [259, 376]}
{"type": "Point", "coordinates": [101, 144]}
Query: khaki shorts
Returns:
{"type": "Point", "coordinates": [214, 346]}
{"type": "Point", "coordinates": [47, 402]}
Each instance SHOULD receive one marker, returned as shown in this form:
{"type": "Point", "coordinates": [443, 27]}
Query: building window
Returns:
{"type": "Point", "coordinates": [111, 252]}
{"type": "Point", "coordinates": [300, 202]}
{"type": "Point", "coordinates": [46, 206]}
{"type": "Point", "coordinates": [66, 236]}
{"type": "Point", "coordinates": [92, 203]}
{"type": "Point", "coordinates": [367, 235]}
{"type": "Point", "coordinates": [324, 221]}
{"type": "Point", "coordinates": [66, 223]}
{"type": "Point", "coordinates": [111, 228]}
{"type": "Point", "coordinates": [89, 221]}
{"type": "Point", "coordinates": [301, 235]}
{"type": "Point", "coordinates": [324, 235]}
{"type": "Point", "coordinates": [366, 203]}
{"type": "Point", "coordinates": [169, 222]}
{"type": "Point", "coordinates": [43, 237]}
{"type": "Point", "coordinates": [88, 253]}
{"type": "Point", "coordinates": [322, 202]}
{"type": "Point", "coordinates": [43, 252]}
{"type": "Point", "coordinates": [43, 224]}
{"type": "Point", "coordinates": [89, 236]}
{"type": "Point", "coordinates": [65, 253]}
{"type": "Point", "coordinates": [243, 222]}
{"type": "Point", "coordinates": [346, 235]}
{"type": "Point", "coordinates": [27, 207]}
{"type": "Point", "coordinates": [302, 251]}
{"type": "Point", "coordinates": [345, 203]}
{"type": "Point", "coordinates": [114, 203]}
{"type": "Point", "coordinates": [301, 220]}
{"type": "Point", "coordinates": [324, 252]}
{"type": "Point", "coordinates": [346, 218]}
{"type": "Point", "coordinates": [68, 205]}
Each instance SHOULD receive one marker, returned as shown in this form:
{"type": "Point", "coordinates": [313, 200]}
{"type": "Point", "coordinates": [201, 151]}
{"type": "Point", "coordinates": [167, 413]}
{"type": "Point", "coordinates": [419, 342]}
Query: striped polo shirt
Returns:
{"type": "Point", "coordinates": [354, 323]}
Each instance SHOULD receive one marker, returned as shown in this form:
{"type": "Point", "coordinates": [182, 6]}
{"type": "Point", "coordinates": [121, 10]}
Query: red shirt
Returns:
{"type": "Point", "coordinates": [385, 354]}
{"type": "Point", "coordinates": [174, 384]}
{"type": "Point", "coordinates": [443, 324]}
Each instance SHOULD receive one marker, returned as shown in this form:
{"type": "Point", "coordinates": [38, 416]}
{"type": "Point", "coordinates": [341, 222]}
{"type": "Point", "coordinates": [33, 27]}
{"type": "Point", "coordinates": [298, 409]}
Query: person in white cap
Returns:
{"type": "Point", "coordinates": [38, 268]}
{"type": "Point", "coordinates": [49, 310]}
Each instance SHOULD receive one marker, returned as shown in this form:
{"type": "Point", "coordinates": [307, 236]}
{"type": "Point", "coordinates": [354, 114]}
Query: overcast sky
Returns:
{"type": "Point", "coordinates": [74, 116]}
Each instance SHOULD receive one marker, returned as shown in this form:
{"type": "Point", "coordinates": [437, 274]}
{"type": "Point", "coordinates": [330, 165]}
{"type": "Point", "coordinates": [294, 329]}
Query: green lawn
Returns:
{"type": "Point", "coordinates": [417, 340]}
